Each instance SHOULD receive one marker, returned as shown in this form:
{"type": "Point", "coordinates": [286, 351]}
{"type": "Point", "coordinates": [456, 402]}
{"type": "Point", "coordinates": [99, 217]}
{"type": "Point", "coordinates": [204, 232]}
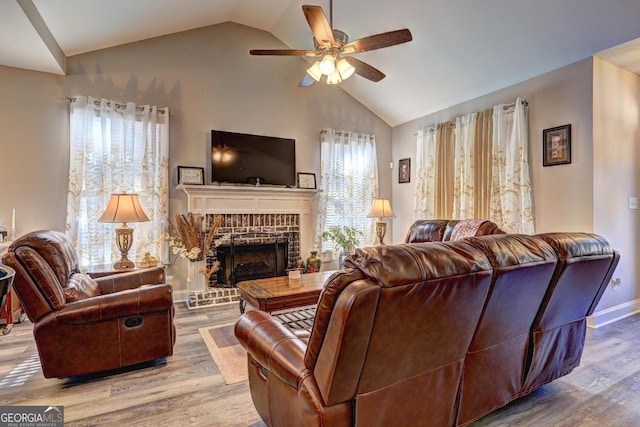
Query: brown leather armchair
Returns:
{"type": "Point", "coordinates": [83, 326]}
{"type": "Point", "coordinates": [443, 230]}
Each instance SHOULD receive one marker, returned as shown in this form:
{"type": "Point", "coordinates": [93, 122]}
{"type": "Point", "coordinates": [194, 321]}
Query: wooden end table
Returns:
{"type": "Point", "coordinates": [278, 293]}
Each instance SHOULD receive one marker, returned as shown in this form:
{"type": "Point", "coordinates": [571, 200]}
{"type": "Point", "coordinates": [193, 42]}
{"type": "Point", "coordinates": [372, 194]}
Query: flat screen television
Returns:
{"type": "Point", "coordinates": [240, 158]}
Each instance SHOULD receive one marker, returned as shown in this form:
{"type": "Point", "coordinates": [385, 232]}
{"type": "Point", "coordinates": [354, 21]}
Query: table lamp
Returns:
{"type": "Point", "coordinates": [381, 208]}
{"type": "Point", "coordinates": [124, 207]}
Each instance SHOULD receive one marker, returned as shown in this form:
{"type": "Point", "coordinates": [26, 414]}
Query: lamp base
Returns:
{"type": "Point", "coordinates": [381, 230]}
{"type": "Point", "coordinates": [124, 238]}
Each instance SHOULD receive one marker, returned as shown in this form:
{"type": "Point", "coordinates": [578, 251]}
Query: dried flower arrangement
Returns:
{"type": "Point", "coordinates": [189, 239]}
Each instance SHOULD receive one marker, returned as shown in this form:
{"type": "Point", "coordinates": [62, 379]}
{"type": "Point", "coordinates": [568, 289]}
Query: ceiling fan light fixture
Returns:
{"type": "Point", "coordinates": [328, 64]}
{"type": "Point", "coordinates": [345, 69]}
{"type": "Point", "coordinates": [314, 71]}
{"type": "Point", "coordinates": [334, 78]}
{"type": "Point", "coordinates": [331, 45]}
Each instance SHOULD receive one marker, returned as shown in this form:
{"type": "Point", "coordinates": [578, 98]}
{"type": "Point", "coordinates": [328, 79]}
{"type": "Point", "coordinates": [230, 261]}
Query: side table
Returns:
{"type": "Point", "coordinates": [12, 310]}
{"type": "Point", "coordinates": [101, 270]}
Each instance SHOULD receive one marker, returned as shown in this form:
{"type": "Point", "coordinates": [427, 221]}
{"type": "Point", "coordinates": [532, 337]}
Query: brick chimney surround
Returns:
{"type": "Point", "coordinates": [254, 211]}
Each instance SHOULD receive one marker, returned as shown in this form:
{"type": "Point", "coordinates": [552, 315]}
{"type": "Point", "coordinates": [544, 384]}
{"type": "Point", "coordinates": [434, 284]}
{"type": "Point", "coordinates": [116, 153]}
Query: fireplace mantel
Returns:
{"type": "Point", "coordinates": [244, 199]}
{"type": "Point", "coordinates": [235, 199]}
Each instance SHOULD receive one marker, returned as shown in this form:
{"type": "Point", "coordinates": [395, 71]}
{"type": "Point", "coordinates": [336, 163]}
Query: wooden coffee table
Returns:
{"type": "Point", "coordinates": [279, 293]}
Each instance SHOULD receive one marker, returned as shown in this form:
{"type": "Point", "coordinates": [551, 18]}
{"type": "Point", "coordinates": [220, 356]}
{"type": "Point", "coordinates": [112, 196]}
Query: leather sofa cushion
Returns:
{"type": "Point", "coordinates": [55, 248]}
{"type": "Point", "coordinates": [81, 286]}
{"type": "Point", "coordinates": [427, 230]}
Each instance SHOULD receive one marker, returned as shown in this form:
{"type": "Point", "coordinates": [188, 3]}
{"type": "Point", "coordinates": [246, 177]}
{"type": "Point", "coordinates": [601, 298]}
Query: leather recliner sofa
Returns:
{"type": "Point", "coordinates": [432, 334]}
{"type": "Point", "coordinates": [84, 326]}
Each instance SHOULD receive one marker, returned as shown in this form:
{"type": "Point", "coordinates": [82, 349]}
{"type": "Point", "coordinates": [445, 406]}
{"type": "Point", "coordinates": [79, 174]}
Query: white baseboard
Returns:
{"type": "Point", "coordinates": [613, 314]}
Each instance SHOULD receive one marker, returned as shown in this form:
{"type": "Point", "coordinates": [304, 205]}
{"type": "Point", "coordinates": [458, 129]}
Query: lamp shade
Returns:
{"type": "Point", "coordinates": [328, 64]}
{"type": "Point", "coordinates": [123, 207]}
{"type": "Point", "coordinates": [334, 78]}
{"type": "Point", "coordinates": [346, 70]}
{"type": "Point", "coordinates": [381, 208]}
{"type": "Point", "coordinates": [314, 71]}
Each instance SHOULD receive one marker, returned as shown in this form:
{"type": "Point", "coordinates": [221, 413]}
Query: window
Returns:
{"type": "Point", "coordinates": [116, 147]}
{"type": "Point", "coordinates": [349, 183]}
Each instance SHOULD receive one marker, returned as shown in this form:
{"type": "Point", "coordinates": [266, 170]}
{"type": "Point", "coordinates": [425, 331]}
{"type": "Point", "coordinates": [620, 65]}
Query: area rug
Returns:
{"type": "Point", "coordinates": [227, 353]}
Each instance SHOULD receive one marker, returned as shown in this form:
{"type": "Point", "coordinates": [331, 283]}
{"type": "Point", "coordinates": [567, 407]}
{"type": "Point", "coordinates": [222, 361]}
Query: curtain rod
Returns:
{"type": "Point", "coordinates": [97, 102]}
{"type": "Point", "coordinates": [513, 104]}
{"type": "Point", "coordinates": [504, 107]}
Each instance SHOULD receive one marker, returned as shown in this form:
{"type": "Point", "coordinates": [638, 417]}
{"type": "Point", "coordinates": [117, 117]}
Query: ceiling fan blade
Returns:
{"type": "Point", "coordinates": [283, 52]}
{"type": "Point", "coordinates": [378, 41]}
{"type": "Point", "coordinates": [319, 25]}
{"type": "Point", "coordinates": [365, 70]}
{"type": "Point", "coordinates": [306, 81]}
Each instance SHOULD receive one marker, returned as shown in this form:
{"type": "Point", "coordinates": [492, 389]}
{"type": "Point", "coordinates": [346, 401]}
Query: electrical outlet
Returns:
{"type": "Point", "coordinates": [616, 282]}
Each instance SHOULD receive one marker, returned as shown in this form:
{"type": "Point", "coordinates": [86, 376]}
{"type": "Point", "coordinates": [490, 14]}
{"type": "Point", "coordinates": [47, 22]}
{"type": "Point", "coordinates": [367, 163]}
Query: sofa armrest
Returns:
{"type": "Point", "coordinates": [147, 299]}
{"type": "Point", "coordinates": [273, 346]}
{"type": "Point", "coordinates": [131, 279]}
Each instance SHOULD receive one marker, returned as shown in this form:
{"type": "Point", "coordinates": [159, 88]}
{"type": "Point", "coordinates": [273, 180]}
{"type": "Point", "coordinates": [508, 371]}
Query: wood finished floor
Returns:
{"type": "Point", "coordinates": [187, 388]}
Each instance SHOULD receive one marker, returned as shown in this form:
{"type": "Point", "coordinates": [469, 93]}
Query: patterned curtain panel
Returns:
{"type": "Point", "coordinates": [349, 183]}
{"type": "Point", "coordinates": [477, 167]}
{"type": "Point", "coordinates": [511, 202]}
{"type": "Point", "coordinates": [116, 147]}
{"type": "Point", "coordinates": [424, 203]}
{"type": "Point", "coordinates": [464, 181]}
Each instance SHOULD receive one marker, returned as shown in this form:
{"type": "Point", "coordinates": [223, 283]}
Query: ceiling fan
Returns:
{"type": "Point", "coordinates": [332, 47]}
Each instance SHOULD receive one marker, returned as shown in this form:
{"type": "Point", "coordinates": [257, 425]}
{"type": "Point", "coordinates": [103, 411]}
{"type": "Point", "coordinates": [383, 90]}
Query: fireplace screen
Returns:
{"type": "Point", "coordinates": [252, 256]}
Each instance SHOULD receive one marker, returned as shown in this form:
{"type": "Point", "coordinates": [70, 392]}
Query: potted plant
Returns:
{"type": "Point", "coordinates": [344, 238]}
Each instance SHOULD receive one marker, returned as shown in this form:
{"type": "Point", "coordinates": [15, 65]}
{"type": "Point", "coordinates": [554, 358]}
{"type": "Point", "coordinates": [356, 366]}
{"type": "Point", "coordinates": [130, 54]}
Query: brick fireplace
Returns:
{"type": "Point", "coordinates": [255, 246]}
{"type": "Point", "coordinates": [275, 223]}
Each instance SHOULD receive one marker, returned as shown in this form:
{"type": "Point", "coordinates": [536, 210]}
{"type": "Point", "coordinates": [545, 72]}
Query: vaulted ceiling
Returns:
{"type": "Point", "coordinates": [461, 49]}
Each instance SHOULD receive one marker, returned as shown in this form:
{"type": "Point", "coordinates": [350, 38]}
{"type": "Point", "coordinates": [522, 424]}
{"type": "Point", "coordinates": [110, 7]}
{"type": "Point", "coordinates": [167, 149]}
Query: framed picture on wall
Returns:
{"type": "Point", "coordinates": [556, 146]}
{"type": "Point", "coordinates": [306, 180]}
{"type": "Point", "coordinates": [190, 175]}
{"type": "Point", "coordinates": [404, 171]}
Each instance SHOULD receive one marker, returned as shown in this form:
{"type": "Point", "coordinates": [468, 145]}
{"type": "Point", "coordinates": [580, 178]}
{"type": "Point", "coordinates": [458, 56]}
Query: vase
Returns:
{"type": "Point", "coordinates": [197, 281]}
{"type": "Point", "coordinates": [313, 262]}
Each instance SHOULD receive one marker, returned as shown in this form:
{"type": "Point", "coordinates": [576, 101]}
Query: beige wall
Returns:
{"type": "Point", "coordinates": [616, 132]}
{"type": "Point", "coordinates": [207, 79]}
{"type": "Point", "coordinates": [562, 194]}
{"type": "Point", "coordinates": [34, 150]}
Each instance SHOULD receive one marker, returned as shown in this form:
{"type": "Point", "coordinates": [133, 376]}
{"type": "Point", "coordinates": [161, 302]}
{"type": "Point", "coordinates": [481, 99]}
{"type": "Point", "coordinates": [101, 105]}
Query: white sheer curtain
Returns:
{"type": "Point", "coordinates": [349, 183]}
{"type": "Point", "coordinates": [490, 169]}
{"type": "Point", "coordinates": [426, 157]}
{"type": "Point", "coordinates": [116, 147]}
{"type": "Point", "coordinates": [464, 167]}
{"type": "Point", "coordinates": [511, 203]}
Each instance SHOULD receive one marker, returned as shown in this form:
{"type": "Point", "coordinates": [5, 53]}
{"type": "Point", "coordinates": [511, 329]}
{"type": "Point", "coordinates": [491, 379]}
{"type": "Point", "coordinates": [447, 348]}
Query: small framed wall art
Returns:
{"type": "Point", "coordinates": [190, 175]}
{"type": "Point", "coordinates": [306, 180]}
{"type": "Point", "coordinates": [404, 170]}
{"type": "Point", "coordinates": [556, 146]}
